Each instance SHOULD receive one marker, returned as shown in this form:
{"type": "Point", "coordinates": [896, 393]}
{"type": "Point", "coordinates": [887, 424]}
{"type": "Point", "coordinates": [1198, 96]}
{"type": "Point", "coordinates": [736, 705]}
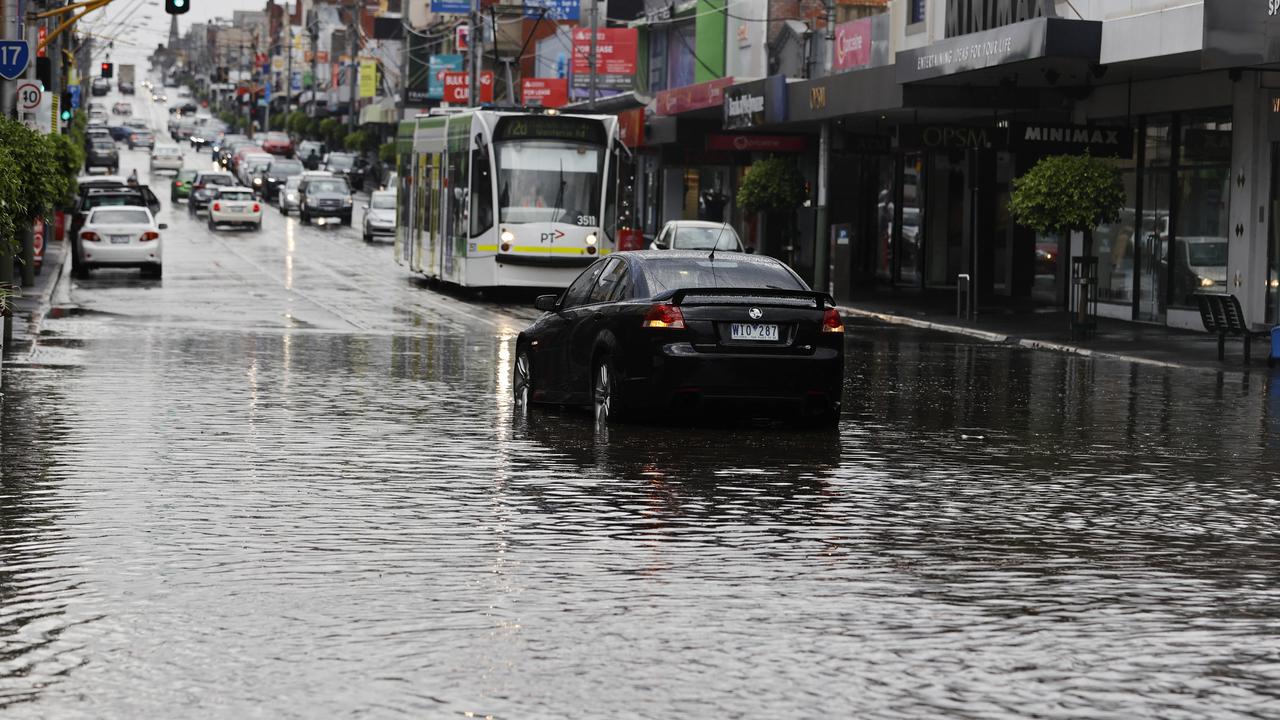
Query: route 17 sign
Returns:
{"type": "Point", "coordinates": [14, 56]}
{"type": "Point", "coordinates": [28, 94]}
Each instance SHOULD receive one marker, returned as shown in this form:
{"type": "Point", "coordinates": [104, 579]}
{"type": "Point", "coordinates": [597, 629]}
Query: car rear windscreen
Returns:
{"type": "Point", "coordinates": [235, 196]}
{"type": "Point", "coordinates": [723, 272]}
{"type": "Point", "coordinates": [123, 216]}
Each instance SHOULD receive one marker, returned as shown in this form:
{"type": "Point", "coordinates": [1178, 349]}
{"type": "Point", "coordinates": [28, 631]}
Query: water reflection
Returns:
{"type": "Point", "coordinates": [308, 524]}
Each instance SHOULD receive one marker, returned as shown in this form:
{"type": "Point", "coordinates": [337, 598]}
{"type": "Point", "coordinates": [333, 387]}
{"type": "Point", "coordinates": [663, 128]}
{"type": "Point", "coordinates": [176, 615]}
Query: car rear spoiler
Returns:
{"type": "Point", "coordinates": [752, 296]}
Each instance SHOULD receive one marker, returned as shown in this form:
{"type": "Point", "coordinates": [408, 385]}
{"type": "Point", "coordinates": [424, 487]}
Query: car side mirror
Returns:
{"type": "Point", "coordinates": [163, 226]}
{"type": "Point", "coordinates": [751, 251]}
{"type": "Point", "coordinates": [546, 303]}
{"type": "Point", "coordinates": [660, 245]}
{"type": "Point", "coordinates": [365, 207]}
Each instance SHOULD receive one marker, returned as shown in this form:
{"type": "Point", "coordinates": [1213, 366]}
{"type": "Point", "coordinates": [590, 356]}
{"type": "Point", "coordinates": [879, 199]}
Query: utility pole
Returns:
{"type": "Point", "coordinates": [595, 28]}
{"type": "Point", "coordinates": [314, 30]}
{"type": "Point", "coordinates": [473, 57]}
{"type": "Point", "coordinates": [288, 72]}
{"type": "Point", "coordinates": [354, 29]}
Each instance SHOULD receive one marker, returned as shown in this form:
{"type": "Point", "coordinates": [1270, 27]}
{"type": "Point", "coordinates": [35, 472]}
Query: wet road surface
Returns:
{"type": "Point", "coordinates": [288, 481]}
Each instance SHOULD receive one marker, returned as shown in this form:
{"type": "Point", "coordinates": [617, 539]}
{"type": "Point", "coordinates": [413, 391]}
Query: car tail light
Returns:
{"type": "Point", "coordinates": [198, 187]}
{"type": "Point", "coordinates": [664, 315]}
{"type": "Point", "coordinates": [257, 207]}
{"type": "Point", "coordinates": [217, 207]}
{"type": "Point", "coordinates": [831, 322]}
{"type": "Point", "coordinates": [150, 235]}
{"type": "Point", "coordinates": [90, 236]}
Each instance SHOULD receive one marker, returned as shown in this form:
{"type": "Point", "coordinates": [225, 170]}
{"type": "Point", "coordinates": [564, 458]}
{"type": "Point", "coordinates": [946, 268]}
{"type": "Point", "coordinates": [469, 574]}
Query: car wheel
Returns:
{"type": "Point", "coordinates": [604, 392]}
{"type": "Point", "coordinates": [212, 225]}
{"type": "Point", "coordinates": [368, 238]}
{"type": "Point", "coordinates": [258, 226]}
{"type": "Point", "coordinates": [155, 271]}
{"type": "Point", "coordinates": [522, 382]}
{"type": "Point", "coordinates": [346, 220]}
{"type": "Point", "coordinates": [306, 219]}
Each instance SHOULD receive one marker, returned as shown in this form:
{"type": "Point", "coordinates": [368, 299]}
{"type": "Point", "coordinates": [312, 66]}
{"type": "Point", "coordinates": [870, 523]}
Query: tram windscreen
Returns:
{"type": "Point", "coordinates": [549, 181]}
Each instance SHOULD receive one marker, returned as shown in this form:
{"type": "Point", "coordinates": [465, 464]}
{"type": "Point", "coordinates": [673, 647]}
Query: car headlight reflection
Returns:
{"type": "Point", "coordinates": [591, 239]}
{"type": "Point", "coordinates": [508, 236]}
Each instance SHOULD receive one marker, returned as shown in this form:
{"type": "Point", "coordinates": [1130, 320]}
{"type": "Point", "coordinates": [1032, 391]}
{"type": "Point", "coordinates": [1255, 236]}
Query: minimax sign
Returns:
{"type": "Point", "coordinates": [969, 16]}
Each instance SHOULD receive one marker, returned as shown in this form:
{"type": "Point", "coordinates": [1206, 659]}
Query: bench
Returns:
{"type": "Point", "coordinates": [1221, 314]}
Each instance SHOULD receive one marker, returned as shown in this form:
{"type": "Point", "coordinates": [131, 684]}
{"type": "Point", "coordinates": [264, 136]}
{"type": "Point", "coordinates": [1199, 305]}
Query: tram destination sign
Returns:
{"type": "Point", "coordinates": [549, 127]}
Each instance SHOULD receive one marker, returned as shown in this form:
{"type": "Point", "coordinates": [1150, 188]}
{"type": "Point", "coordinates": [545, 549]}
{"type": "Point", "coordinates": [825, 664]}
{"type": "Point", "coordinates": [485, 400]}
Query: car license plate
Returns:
{"type": "Point", "coordinates": [120, 239]}
{"type": "Point", "coordinates": [753, 331]}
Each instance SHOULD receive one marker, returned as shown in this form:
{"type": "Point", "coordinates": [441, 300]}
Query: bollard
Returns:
{"type": "Point", "coordinates": [965, 290]}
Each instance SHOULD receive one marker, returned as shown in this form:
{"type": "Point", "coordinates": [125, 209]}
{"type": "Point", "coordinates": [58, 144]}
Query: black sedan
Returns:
{"type": "Point", "coordinates": [656, 332]}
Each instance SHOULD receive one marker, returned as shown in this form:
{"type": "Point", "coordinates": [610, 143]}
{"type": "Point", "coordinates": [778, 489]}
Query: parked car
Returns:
{"type": "Point", "coordinates": [287, 195]}
{"type": "Point", "coordinates": [278, 143]}
{"type": "Point", "coordinates": [101, 153]}
{"type": "Point", "coordinates": [119, 236]}
{"type": "Point", "coordinates": [655, 332]}
{"type": "Point", "coordinates": [141, 138]}
{"type": "Point", "coordinates": [122, 108]}
{"type": "Point", "coordinates": [180, 188]}
{"type": "Point", "coordinates": [697, 235]}
{"type": "Point", "coordinates": [347, 165]}
{"type": "Point", "coordinates": [269, 181]}
{"type": "Point", "coordinates": [380, 215]}
{"type": "Point", "coordinates": [311, 153]}
{"type": "Point", "coordinates": [324, 197]}
{"type": "Point", "coordinates": [94, 195]}
{"type": "Point", "coordinates": [166, 157]}
{"type": "Point", "coordinates": [234, 205]}
{"type": "Point", "coordinates": [202, 187]}
{"type": "Point", "coordinates": [100, 86]}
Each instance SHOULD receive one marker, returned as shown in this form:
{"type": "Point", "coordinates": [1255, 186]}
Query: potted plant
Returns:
{"type": "Point", "coordinates": [1067, 193]}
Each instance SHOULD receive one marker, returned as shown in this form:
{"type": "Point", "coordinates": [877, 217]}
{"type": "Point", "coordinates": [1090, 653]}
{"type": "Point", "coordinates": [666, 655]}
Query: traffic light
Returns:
{"type": "Point", "coordinates": [107, 70]}
{"type": "Point", "coordinates": [64, 107]}
{"type": "Point", "coordinates": [177, 7]}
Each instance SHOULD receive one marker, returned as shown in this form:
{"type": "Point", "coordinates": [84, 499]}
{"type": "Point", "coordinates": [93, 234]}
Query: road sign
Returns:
{"type": "Point", "coordinates": [266, 91]}
{"type": "Point", "coordinates": [28, 94]}
{"type": "Point", "coordinates": [14, 56]}
{"type": "Point", "coordinates": [75, 96]}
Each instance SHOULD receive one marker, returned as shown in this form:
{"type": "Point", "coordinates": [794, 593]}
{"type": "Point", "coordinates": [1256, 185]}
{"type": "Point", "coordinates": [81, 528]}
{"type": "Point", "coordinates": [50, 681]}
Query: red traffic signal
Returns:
{"type": "Point", "coordinates": [107, 69]}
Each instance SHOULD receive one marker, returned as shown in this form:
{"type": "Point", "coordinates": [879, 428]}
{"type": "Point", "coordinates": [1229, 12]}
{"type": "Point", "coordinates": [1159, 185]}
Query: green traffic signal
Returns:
{"type": "Point", "coordinates": [176, 7]}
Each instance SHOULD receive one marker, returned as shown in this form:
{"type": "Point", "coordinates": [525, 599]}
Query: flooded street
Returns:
{"type": "Point", "coordinates": [288, 481]}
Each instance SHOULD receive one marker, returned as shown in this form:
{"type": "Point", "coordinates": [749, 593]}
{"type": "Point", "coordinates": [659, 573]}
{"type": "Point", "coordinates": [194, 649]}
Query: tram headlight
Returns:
{"type": "Point", "coordinates": [508, 236]}
{"type": "Point", "coordinates": [591, 239]}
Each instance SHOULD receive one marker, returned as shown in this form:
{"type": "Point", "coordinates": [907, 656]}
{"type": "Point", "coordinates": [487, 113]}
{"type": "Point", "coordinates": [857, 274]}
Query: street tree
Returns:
{"type": "Point", "coordinates": [1065, 193]}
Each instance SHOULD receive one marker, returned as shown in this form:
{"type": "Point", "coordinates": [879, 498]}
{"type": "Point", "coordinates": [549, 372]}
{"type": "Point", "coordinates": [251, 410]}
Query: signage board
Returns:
{"type": "Point", "coordinates": [852, 45]}
{"type": "Point", "coordinates": [28, 94]}
{"type": "Point", "coordinates": [368, 79]}
{"type": "Point", "coordinates": [615, 51]}
{"type": "Point", "coordinates": [692, 97]}
{"type": "Point", "coordinates": [1097, 140]}
{"type": "Point", "coordinates": [1240, 33]}
{"type": "Point", "coordinates": [952, 137]}
{"type": "Point", "coordinates": [456, 91]}
{"type": "Point", "coordinates": [74, 91]}
{"type": "Point", "coordinates": [14, 57]}
{"type": "Point", "coordinates": [1030, 40]}
{"type": "Point", "coordinates": [436, 69]}
{"type": "Point", "coordinates": [970, 16]}
{"type": "Point", "coordinates": [553, 9]}
{"type": "Point", "coordinates": [462, 38]}
{"type": "Point", "coordinates": [756, 143]}
{"type": "Point", "coordinates": [761, 102]}
{"type": "Point", "coordinates": [544, 92]}
{"type": "Point", "coordinates": [450, 7]}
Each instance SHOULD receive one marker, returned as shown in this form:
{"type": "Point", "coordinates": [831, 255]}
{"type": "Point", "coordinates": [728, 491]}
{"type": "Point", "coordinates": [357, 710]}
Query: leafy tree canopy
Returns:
{"type": "Point", "coordinates": [771, 185]}
{"type": "Point", "coordinates": [1062, 193]}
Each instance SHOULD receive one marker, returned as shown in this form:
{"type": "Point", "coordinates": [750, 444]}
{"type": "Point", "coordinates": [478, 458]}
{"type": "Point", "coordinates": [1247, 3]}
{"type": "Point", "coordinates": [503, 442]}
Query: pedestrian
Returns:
{"type": "Point", "coordinates": [133, 178]}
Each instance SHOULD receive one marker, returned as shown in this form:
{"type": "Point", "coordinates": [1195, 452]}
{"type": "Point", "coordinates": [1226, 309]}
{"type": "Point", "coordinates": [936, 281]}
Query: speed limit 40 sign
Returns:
{"type": "Point", "coordinates": [29, 95]}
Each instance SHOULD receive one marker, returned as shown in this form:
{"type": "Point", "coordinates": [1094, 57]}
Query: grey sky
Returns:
{"type": "Point", "coordinates": [137, 26]}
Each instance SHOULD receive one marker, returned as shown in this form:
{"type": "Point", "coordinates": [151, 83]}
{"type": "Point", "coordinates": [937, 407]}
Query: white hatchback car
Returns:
{"type": "Point", "coordinates": [234, 205]}
{"type": "Point", "coordinates": [120, 236]}
{"type": "Point", "coordinates": [166, 157]}
{"type": "Point", "coordinates": [698, 235]}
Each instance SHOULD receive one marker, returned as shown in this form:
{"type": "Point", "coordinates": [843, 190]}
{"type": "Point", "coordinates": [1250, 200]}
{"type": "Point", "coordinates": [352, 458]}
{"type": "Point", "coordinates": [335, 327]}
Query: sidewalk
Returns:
{"type": "Point", "coordinates": [1156, 345]}
{"type": "Point", "coordinates": [30, 309]}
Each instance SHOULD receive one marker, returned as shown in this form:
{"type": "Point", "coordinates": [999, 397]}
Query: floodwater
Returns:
{"type": "Point", "coordinates": [322, 524]}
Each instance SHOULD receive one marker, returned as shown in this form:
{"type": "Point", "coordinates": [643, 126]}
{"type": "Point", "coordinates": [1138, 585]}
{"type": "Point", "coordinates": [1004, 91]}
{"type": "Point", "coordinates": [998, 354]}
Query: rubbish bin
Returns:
{"type": "Point", "coordinates": [1083, 307]}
